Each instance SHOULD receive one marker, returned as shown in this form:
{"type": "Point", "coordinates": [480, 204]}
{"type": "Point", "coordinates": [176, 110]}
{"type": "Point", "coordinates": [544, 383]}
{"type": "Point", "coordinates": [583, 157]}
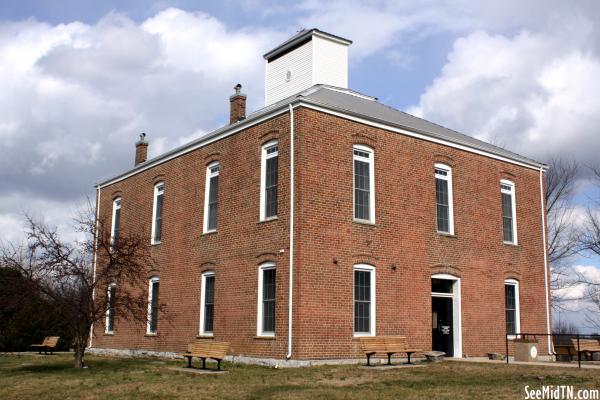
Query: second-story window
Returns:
{"type": "Point", "coordinates": [509, 220]}
{"type": "Point", "coordinates": [116, 221]}
{"type": "Point", "coordinates": [443, 199]}
{"type": "Point", "coordinates": [157, 212]}
{"type": "Point", "coordinates": [268, 180]}
{"type": "Point", "coordinates": [210, 197]}
{"type": "Point", "coordinates": [364, 190]}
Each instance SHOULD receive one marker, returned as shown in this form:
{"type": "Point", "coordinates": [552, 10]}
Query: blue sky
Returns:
{"type": "Point", "coordinates": [82, 78]}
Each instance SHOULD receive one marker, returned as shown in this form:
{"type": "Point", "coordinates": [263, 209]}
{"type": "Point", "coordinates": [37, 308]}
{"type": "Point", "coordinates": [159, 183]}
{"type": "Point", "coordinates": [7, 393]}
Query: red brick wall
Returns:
{"type": "Point", "coordinates": [234, 252]}
{"type": "Point", "coordinates": [404, 235]}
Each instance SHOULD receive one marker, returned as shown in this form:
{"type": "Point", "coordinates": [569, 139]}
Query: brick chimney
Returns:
{"type": "Point", "coordinates": [141, 150]}
{"type": "Point", "coordinates": [237, 111]}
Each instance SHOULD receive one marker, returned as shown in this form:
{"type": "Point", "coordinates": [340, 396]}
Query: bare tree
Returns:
{"type": "Point", "coordinates": [65, 272]}
{"type": "Point", "coordinates": [563, 233]}
{"type": "Point", "coordinates": [564, 327]}
{"type": "Point", "coordinates": [592, 316]}
{"type": "Point", "coordinates": [591, 235]}
{"type": "Point", "coordinates": [590, 240]}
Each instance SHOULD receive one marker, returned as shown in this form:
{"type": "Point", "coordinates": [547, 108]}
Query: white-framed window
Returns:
{"type": "Point", "coordinates": [364, 300]}
{"type": "Point", "coordinates": [111, 292]}
{"type": "Point", "coordinates": [267, 282]}
{"type": "Point", "coordinates": [511, 301]}
{"type": "Point", "coordinates": [269, 170]}
{"type": "Point", "coordinates": [157, 212]}
{"type": "Point", "coordinates": [153, 290]}
{"type": "Point", "coordinates": [207, 303]}
{"type": "Point", "coordinates": [116, 221]}
{"type": "Point", "coordinates": [211, 193]}
{"type": "Point", "coordinates": [364, 183]}
{"type": "Point", "coordinates": [443, 199]}
{"type": "Point", "coordinates": [509, 211]}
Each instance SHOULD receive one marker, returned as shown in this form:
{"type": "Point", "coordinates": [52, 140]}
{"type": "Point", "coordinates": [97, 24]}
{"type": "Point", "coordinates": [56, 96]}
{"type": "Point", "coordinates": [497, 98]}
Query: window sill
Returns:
{"type": "Point", "coordinates": [512, 337]}
{"type": "Point", "coordinates": [207, 233]}
{"type": "Point", "coordinates": [264, 337]}
{"type": "Point", "coordinates": [364, 222]}
{"type": "Point", "coordinates": [155, 243]}
{"type": "Point", "coordinates": [151, 335]}
{"type": "Point", "coordinates": [360, 335]}
{"type": "Point", "coordinates": [205, 336]}
{"type": "Point", "coordinates": [511, 244]}
{"type": "Point", "coordinates": [262, 221]}
{"type": "Point", "coordinates": [446, 234]}
{"type": "Point", "coordinates": [109, 334]}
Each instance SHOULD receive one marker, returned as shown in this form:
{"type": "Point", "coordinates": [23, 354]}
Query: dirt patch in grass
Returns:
{"type": "Point", "coordinates": [31, 377]}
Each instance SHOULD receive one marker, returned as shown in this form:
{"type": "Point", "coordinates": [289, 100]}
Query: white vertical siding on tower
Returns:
{"type": "Point", "coordinates": [330, 62]}
{"type": "Point", "coordinates": [299, 62]}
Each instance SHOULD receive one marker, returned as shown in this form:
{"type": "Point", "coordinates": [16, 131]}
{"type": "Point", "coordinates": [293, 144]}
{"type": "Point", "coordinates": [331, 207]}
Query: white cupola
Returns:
{"type": "Point", "coordinates": [308, 58]}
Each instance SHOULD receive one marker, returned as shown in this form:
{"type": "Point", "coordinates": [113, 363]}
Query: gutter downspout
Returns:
{"type": "Point", "coordinates": [291, 268]}
{"type": "Point", "coordinates": [95, 252]}
{"type": "Point", "coordinates": [543, 209]}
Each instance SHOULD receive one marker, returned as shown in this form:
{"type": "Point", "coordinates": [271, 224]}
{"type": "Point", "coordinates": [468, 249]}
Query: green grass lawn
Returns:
{"type": "Point", "coordinates": [31, 376]}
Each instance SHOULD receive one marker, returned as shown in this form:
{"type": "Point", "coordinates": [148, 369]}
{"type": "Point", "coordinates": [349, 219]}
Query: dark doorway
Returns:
{"type": "Point", "coordinates": [442, 329]}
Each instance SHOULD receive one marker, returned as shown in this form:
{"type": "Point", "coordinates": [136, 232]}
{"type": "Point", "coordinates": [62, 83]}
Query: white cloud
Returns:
{"type": "Point", "coordinates": [534, 93]}
{"type": "Point", "coordinates": [57, 214]}
{"type": "Point", "coordinates": [575, 296]}
{"type": "Point", "coordinates": [391, 24]}
{"type": "Point", "coordinates": [75, 97]}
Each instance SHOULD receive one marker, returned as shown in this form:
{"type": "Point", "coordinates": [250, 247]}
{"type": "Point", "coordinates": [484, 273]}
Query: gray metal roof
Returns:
{"type": "Point", "coordinates": [354, 103]}
{"type": "Point", "coordinates": [347, 102]}
{"type": "Point", "coordinates": [299, 37]}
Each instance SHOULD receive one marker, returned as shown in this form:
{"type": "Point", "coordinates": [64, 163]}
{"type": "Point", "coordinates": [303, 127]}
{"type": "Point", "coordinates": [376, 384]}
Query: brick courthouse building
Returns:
{"type": "Point", "coordinates": [325, 216]}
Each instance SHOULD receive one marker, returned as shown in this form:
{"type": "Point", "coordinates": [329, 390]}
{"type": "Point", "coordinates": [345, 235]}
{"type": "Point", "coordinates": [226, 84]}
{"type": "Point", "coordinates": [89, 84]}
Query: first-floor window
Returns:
{"type": "Point", "coordinates": [110, 307]}
{"type": "Point", "coordinates": [153, 305]}
{"type": "Point", "coordinates": [266, 299]}
{"type": "Point", "coordinates": [511, 295]}
{"type": "Point", "coordinates": [364, 300]}
{"type": "Point", "coordinates": [207, 306]}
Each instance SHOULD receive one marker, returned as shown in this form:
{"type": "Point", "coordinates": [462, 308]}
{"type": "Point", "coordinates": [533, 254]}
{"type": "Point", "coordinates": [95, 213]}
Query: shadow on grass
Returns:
{"type": "Point", "coordinates": [46, 368]}
{"type": "Point", "coordinates": [66, 365]}
{"type": "Point", "coordinates": [276, 391]}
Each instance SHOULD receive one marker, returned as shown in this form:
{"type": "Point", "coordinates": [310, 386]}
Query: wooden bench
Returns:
{"type": "Point", "coordinates": [386, 344]}
{"type": "Point", "coordinates": [586, 346]}
{"type": "Point", "coordinates": [49, 343]}
{"type": "Point", "coordinates": [204, 349]}
{"type": "Point", "coordinates": [565, 350]}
